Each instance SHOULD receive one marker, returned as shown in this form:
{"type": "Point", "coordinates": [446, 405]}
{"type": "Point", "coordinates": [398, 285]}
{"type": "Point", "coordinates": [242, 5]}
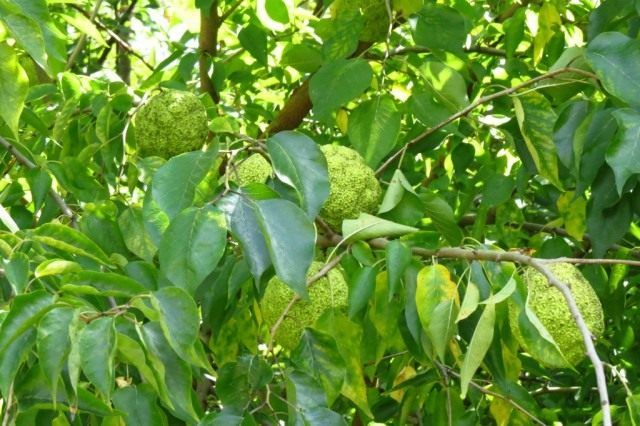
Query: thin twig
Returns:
{"type": "Point", "coordinates": [480, 101]}
{"type": "Point", "coordinates": [22, 159]}
{"type": "Point", "coordinates": [114, 36]}
{"type": "Point", "coordinates": [230, 10]}
{"type": "Point", "coordinates": [486, 391]}
{"type": "Point", "coordinates": [83, 38]}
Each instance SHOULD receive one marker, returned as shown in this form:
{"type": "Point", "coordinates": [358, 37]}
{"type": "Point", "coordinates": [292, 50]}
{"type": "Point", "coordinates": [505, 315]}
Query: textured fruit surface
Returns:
{"type": "Point", "coordinates": [255, 169]}
{"type": "Point", "coordinates": [170, 123]}
{"type": "Point", "coordinates": [354, 188]}
{"type": "Point", "coordinates": [331, 291]}
{"type": "Point", "coordinates": [552, 310]}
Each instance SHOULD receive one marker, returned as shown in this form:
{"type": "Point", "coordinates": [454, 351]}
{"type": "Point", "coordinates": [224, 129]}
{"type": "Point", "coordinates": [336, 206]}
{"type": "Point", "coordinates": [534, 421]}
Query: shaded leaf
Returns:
{"type": "Point", "coordinates": [623, 154]}
{"type": "Point", "coordinates": [97, 348]}
{"type": "Point", "coordinates": [69, 240]}
{"type": "Point", "coordinates": [14, 85]}
{"type": "Point", "coordinates": [478, 347]}
{"type": "Point", "coordinates": [138, 403]}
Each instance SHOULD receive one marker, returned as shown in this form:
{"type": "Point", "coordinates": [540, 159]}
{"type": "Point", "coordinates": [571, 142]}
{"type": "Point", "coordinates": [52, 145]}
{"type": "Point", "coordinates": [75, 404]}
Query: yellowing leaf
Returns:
{"type": "Point", "coordinates": [574, 213]}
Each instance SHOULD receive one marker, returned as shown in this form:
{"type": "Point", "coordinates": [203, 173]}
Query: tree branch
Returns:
{"type": "Point", "coordinates": [22, 159]}
{"type": "Point", "coordinates": [480, 101]}
{"type": "Point", "coordinates": [230, 10]}
{"type": "Point", "coordinates": [208, 41]}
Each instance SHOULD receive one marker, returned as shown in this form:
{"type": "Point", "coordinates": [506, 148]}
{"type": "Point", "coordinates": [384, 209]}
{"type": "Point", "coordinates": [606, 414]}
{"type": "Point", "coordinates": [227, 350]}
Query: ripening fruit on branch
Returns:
{"type": "Point", "coordinates": [331, 291]}
{"type": "Point", "coordinates": [255, 169]}
{"type": "Point", "coordinates": [170, 123]}
{"type": "Point", "coordinates": [552, 310]}
{"type": "Point", "coordinates": [354, 188]}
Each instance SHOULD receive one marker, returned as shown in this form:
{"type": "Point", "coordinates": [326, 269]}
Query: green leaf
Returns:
{"type": "Point", "coordinates": [138, 403]}
{"type": "Point", "coordinates": [398, 256]}
{"type": "Point", "coordinates": [130, 351]}
{"type": "Point", "coordinates": [317, 355]}
{"type": "Point", "coordinates": [439, 27]}
{"type": "Point", "coordinates": [290, 238]}
{"type": "Point", "coordinates": [13, 355]}
{"type": "Point", "coordinates": [174, 374]}
{"type": "Point", "coordinates": [536, 119]}
{"type": "Point", "coordinates": [623, 154]}
{"type": "Point", "coordinates": [254, 40]}
{"type": "Point", "coordinates": [633, 404]}
{"type": "Point", "coordinates": [615, 58]}
{"type": "Point", "coordinates": [590, 146]}
{"type": "Point", "coordinates": [102, 284]}
{"type": "Point", "coordinates": [302, 57]}
{"type": "Point", "coordinates": [244, 226]}
{"type": "Point", "coordinates": [192, 246]}
{"type": "Point", "coordinates": [446, 84]}
{"type": "Point", "coordinates": [307, 402]}
{"type": "Point", "coordinates": [26, 310]}
{"type": "Point", "coordinates": [40, 184]}
{"type": "Point", "coordinates": [53, 344]}
{"type": "Point", "coordinates": [438, 303]}
{"type": "Point", "coordinates": [14, 85]}
{"type": "Point", "coordinates": [478, 347]}
{"type": "Point", "coordinates": [443, 218]}
{"type": "Point", "coordinates": [85, 26]}
{"type": "Point", "coordinates": [29, 36]}
{"type": "Point", "coordinates": [336, 83]}
{"type": "Point", "coordinates": [136, 237]}
{"type": "Point", "coordinates": [361, 289]}
{"type": "Point", "coordinates": [56, 267]}
{"type": "Point", "coordinates": [97, 348]}
{"type": "Point", "coordinates": [401, 203]}
{"type": "Point", "coordinates": [174, 184]}
{"type": "Point", "coordinates": [374, 127]}
{"type": "Point", "coordinates": [69, 240]}
{"type": "Point", "coordinates": [470, 302]}
{"type": "Point", "coordinates": [367, 227]}
{"type": "Point", "coordinates": [16, 269]}
{"type": "Point", "coordinates": [299, 163]}
{"type": "Point", "coordinates": [497, 190]}
{"type": "Point", "coordinates": [179, 318]}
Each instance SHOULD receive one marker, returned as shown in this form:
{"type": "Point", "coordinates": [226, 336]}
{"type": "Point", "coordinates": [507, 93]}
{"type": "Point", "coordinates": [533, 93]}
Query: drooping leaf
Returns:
{"type": "Point", "coordinates": [27, 33]}
{"type": "Point", "coordinates": [192, 246]}
{"type": "Point", "coordinates": [138, 403]}
{"type": "Point", "coordinates": [290, 238]}
{"type": "Point", "coordinates": [374, 127]}
{"type": "Point", "coordinates": [299, 163]}
{"type": "Point", "coordinates": [623, 154]}
{"type": "Point", "coordinates": [478, 347]}
{"type": "Point", "coordinates": [438, 305]}
{"type": "Point", "coordinates": [53, 344]}
{"type": "Point", "coordinates": [178, 318]}
{"type": "Point", "coordinates": [16, 269]}
{"type": "Point", "coordinates": [536, 119]}
{"type": "Point", "coordinates": [398, 257]}
{"type": "Point", "coordinates": [439, 27]}
{"type": "Point", "coordinates": [26, 310]}
{"type": "Point", "coordinates": [14, 85]}
{"type": "Point", "coordinates": [401, 203]}
{"type": "Point", "coordinates": [441, 213]}
{"type": "Point", "coordinates": [97, 348]}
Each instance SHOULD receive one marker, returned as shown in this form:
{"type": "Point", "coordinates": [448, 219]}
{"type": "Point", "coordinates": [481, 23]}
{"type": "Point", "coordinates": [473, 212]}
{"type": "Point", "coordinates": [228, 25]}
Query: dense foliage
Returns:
{"type": "Point", "coordinates": [490, 134]}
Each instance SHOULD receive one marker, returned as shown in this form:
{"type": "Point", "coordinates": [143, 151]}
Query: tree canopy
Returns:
{"type": "Point", "coordinates": [440, 195]}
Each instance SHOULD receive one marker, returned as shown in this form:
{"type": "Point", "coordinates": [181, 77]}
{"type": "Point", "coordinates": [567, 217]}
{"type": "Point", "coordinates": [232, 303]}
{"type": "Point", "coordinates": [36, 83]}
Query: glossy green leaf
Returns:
{"type": "Point", "coordinates": [470, 302]}
{"type": "Point", "coordinates": [398, 256]}
{"type": "Point", "coordinates": [361, 289]}
{"type": "Point", "coordinates": [439, 27]}
{"type": "Point", "coordinates": [536, 119]}
{"type": "Point", "coordinates": [97, 348]}
{"type": "Point", "coordinates": [69, 240]}
{"type": "Point", "coordinates": [447, 84]}
{"type": "Point", "coordinates": [317, 355]}
{"type": "Point", "coordinates": [102, 284]}
{"type": "Point", "coordinates": [290, 238]}
{"type": "Point", "coordinates": [53, 344]}
{"type": "Point", "coordinates": [336, 83]}
{"type": "Point", "coordinates": [131, 352]}
{"type": "Point", "coordinates": [138, 403]}
{"type": "Point", "coordinates": [40, 184]}
{"type": "Point", "coordinates": [478, 347]}
{"type": "Point", "coordinates": [16, 269]}
{"type": "Point", "coordinates": [438, 305]}
{"type": "Point", "coordinates": [367, 227]}
{"type": "Point", "coordinates": [26, 310]}
{"type": "Point", "coordinates": [441, 213]}
{"type": "Point", "coordinates": [623, 154]}
{"type": "Point", "coordinates": [174, 184]}
{"type": "Point", "coordinates": [27, 33]}
{"type": "Point", "coordinates": [299, 163]}
{"type": "Point", "coordinates": [615, 58]}
{"type": "Point", "coordinates": [374, 127]}
{"type": "Point", "coordinates": [254, 40]}
{"type": "Point", "coordinates": [192, 246]}
{"type": "Point", "coordinates": [178, 318]}
{"type": "Point", "coordinates": [633, 404]}
{"type": "Point", "coordinates": [136, 238]}
{"type": "Point", "coordinates": [307, 402]}
{"type": "Point", "coordinates": [13, 356]}
{"type": "Point", "coordinates": [56, 267]}
{"type": "Point", "coordinates": [14, 85]}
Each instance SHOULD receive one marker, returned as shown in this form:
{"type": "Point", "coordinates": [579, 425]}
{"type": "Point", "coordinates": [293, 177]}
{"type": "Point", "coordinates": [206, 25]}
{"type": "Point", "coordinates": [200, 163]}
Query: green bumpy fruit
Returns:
{"type": "Point", "coordinates": [376, 18]}
{"type": "Point", "coordinates": [255, 169]}
{"type": "Point", "coordinates": [353, 187]}
{"type": "Point", "coordinates": [331, 291]}
{"type": "Point", "coordinates": [551, 308]}
{"type": "Point", "coordinates": [172, 122]}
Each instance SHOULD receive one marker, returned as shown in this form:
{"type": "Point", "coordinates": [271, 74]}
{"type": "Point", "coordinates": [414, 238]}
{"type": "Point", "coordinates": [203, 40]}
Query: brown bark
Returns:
{"type": "Point", "coordinates": [208, 41]}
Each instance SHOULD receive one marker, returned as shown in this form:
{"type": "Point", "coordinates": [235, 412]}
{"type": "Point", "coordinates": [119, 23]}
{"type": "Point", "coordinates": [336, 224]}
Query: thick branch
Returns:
{"type": "Point", "coordinates": [480, 101]}
{"type": "Point", "coordinates": [208, 42]}
{"type": "Point", "coordinates": [22, 159]}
